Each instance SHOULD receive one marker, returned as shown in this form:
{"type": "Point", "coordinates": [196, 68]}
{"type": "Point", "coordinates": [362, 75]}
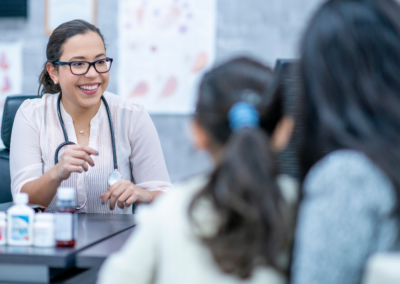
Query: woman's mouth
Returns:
{"type": "Point", "coordinates": [89, 89]}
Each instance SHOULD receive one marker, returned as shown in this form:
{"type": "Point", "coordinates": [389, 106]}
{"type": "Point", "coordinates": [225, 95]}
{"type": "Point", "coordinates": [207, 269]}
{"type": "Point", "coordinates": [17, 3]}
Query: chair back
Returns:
{"type": "Point", "coordinates": [11, 106]}
{"type": "Point", "coordinates": [287, 72]}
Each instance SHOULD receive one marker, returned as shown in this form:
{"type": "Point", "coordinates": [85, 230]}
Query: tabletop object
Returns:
{"type": "Point", "coordinates": [383, 268]}
{"type": "Point", "coordinates": [5, 206]}
{"type": "Point", "coordinates": [36, 262]}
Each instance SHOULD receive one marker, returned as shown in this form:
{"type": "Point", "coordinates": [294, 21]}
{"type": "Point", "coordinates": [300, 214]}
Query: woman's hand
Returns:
{"type": "Point", "coordinates": [126, 192]}
{"type": "Point", "coordinates": [76, 158]}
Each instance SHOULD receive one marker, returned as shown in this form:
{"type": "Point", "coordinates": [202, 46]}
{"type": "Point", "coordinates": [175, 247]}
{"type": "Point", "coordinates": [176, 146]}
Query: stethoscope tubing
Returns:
{"type": "Point", "coordinates": [112, 133]}
{"type": "Point", "coordinates": [67, 142]}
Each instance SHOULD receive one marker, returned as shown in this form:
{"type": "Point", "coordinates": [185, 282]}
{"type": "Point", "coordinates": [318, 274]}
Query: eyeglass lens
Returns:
{"type": "Point", "coordinates": [81, 67]}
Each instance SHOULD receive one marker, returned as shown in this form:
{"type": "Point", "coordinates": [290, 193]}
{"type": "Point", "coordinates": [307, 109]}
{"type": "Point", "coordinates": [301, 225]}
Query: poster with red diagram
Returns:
{"type": "Point", "coordinates": [165, 46]}
{"type": "Point", "coordinates": [10, 72]}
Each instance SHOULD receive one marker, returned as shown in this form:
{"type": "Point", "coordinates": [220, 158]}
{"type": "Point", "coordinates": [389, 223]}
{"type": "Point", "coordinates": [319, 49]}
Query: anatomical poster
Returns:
{"type": "Point", "coordinates": [57, 12]}
{"type": "Point", "coordinates": [165, 46]}
{"type": "Point", "coordinates": [10, 72]}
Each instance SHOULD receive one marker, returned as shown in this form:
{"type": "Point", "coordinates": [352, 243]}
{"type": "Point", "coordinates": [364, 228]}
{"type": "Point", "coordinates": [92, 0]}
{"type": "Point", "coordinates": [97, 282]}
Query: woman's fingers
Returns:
{"type": "Point", "coordinates": [115, 195]}
{"type": "Point", "coordinates": [79, 162]}
{"type": "Point", "coordinates": [123, 199]}
{"type": "Point", "coordinates": [131, 200]}
{"type": "Point", "coordinates": [75, 169]}
{"type": "Point", "coordinates": [121, 192]}
{"type": "Point", "coordinates": [106, 196]}
{"type": "Point", "coordinates": [76, 158]}
{"type": "Point", "coordinates": [81, 152]}
{"type": "Point", "coordinates": [82, 155]}
{"type": "Point", "coordinates": [87, 149]}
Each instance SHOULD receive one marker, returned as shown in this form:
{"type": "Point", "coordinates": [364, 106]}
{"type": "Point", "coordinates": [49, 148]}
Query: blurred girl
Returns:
{"type": "Point", "coordinates": [350, 67]}
{"type": "Point", "coordinates": [234, 225]}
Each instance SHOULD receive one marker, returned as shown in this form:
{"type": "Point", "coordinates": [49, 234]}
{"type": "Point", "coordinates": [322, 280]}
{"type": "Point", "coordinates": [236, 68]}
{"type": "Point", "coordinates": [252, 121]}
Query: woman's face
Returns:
{"type": "Point", "coordinates": [84, 47]}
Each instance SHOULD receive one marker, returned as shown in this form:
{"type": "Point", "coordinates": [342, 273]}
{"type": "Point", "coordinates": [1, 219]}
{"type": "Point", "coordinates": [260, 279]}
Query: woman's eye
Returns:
{"type": "Point", "coordinates": [78, 64]}
{"type": "Point", "coordinates": [101, 62]}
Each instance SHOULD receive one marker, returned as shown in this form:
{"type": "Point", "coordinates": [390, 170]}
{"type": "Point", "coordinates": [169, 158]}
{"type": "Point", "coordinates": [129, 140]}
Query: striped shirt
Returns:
{"type": "Point", "coordinates": [37, 133]}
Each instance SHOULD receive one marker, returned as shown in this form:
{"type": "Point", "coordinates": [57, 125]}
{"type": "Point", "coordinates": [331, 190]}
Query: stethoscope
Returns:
{"type": "Point", "coordinates": [115, 175]}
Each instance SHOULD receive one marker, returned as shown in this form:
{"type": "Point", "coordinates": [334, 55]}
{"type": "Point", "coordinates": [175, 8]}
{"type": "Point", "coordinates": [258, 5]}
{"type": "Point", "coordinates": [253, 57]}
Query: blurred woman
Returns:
{"type": "Point", "coordinates": [234, 225]}
{"type": "Point", "coordinates": [350, 67]}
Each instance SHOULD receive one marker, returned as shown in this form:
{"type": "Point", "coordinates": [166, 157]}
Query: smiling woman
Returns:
{"type": "Point", "coordinates": [76, 133]}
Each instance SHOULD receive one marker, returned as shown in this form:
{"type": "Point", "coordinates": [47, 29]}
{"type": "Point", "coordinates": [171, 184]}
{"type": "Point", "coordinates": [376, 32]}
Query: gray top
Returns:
{"type": "Point", "coordinates": [345, 217]}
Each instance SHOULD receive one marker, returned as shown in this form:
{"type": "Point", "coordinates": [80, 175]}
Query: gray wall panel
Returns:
{"type": "Point", "coordinates": [263, 29]}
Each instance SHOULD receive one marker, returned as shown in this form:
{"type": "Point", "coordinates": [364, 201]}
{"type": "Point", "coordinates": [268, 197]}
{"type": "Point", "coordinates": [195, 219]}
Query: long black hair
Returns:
{"type": "Point", "coordinates": [54, 50]}
{"type": "Point", "coordinates": [242, 188]}
{"type": "Point", "coordinates": [350, 77]}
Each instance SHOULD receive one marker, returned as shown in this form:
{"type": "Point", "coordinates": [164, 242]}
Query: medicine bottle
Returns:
{"type": "Point", "coordinates": [20, 222]}
{"type": "Point", "coordinates": [43, 230]}
{"type": "Point", "coordinates": [66, 218]}
{"type": "Point", "coordinates": [3, 229]}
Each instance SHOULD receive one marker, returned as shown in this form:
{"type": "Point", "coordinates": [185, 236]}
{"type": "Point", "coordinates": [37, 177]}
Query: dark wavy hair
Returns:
{"type": "Point", "coordinates": [350, 77]}
{"type": "Point", "coordinates": [243, 190]}
{"type": "Point", "coordinates": [54, 51]}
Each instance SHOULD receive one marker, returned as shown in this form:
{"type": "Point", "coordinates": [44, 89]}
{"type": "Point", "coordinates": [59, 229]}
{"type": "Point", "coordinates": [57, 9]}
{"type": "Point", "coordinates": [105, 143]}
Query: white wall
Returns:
{"type": "Point", "coordinates": [264, 29]}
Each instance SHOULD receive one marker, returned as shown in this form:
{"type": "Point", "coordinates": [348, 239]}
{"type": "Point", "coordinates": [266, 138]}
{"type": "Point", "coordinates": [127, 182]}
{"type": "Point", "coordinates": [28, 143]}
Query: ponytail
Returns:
{"type": "Point", "coordinates": [238, 111]}
{"type": "Point", "coordinates": [248, 201]}
{"type": "Point", "coordinates": [46, 84]}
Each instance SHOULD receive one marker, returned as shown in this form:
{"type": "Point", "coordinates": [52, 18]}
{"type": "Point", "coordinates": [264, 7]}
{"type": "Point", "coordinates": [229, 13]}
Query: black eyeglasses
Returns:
{"type": "Point", "coordinates": [82, 67]}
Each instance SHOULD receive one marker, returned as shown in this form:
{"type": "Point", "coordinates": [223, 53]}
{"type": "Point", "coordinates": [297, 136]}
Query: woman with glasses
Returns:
{"type": "Point", "coordinates": [79, 135]}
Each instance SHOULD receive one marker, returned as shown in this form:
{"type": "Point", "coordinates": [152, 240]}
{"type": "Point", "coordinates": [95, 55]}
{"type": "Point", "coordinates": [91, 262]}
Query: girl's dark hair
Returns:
{"type": "Point", "coordinates": [54, 50]}
{"type": "Point", "coordinates": [350, 77]}
{"type": "Point", "coordinates": [242, 189]}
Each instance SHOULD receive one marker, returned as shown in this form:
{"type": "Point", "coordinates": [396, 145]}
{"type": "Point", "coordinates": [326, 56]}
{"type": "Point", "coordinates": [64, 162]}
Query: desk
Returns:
{"type": "Point", "coordinates": [5, 206]}
{"type": "Point", "coordinates": [94, 256]}
{"type": "Point", "coordinates": [37, 264]}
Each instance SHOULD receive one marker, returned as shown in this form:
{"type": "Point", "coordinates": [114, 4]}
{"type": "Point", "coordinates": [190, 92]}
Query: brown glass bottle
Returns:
{"type": "Point", "coordinates": [66, 218]}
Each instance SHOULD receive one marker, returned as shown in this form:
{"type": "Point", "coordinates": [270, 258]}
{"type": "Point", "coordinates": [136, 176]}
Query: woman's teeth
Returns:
{"type": "Point", "coordinates": [89, 87]}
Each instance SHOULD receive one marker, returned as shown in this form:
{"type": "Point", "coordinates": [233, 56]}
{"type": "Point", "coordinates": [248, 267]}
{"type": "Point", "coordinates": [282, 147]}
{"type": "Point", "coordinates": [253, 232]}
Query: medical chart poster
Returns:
{"type": "Point", "coordinates": [10, 72]}
{"type": "Point", "coordinates": [165, 46]}
{"type": "Point", "coordinates": [57, 12]}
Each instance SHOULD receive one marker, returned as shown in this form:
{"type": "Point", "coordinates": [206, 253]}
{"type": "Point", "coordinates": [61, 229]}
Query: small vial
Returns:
{"type": "Point", "coordinates": [66, 217]}
{"type": "Point", "coordinates": [3, 229]}
{"type": "Point", "coordinates": [43, 230]}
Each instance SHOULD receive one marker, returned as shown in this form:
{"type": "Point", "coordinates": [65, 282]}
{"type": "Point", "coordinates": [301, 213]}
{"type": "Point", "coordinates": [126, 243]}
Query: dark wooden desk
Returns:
{"type": "Point", "coordinates": [35, 263]}
{"type": "Point", "coordinates": [94, 256]}
{"type": "Point", "coordinates": [5, 206]}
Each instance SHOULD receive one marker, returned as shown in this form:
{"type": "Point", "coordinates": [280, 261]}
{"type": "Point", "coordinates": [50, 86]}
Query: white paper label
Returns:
{"type": "Point", "coordinates": [3, 230]}
{"type": "Point", "coordinates": [65, 226]}
{"type": "Point", "coordinates": [43, 237]}
{"type": "Point", "coordinates": [20, 227]}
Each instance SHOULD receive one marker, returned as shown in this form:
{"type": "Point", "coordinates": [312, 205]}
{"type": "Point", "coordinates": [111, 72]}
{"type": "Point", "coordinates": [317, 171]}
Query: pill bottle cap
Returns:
{"type": "Point", "coordinates": [44, 217]}
{"type": "Point", "coordinates": [3, 215]}
{"type": "Point", "coordinates": [65, 193]}
{"type": "Point", "coordinates": [21, 198]}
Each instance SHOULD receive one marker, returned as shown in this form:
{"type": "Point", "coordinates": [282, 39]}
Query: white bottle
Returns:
{"type": "Point", "coordinates": [43, 230]}
{"type": "Point", "coordinates": [3, 229]}
{"type": "Point", "coordinates": [20, 222]}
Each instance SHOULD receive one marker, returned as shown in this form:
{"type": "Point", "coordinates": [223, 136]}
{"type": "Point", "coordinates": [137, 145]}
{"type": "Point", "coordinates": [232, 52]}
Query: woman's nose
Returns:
{"type": "Point", "coordinates": [91, 72]}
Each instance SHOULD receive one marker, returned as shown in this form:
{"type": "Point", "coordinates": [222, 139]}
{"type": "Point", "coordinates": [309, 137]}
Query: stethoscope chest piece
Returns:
{"type": "Point", "coordinates": [114, 177]}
